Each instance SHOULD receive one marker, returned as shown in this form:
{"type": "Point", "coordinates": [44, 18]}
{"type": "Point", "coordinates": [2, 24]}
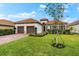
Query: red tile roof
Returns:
{"type": "Point", "coordinates": [55, 22]}
{"type": "Point", "coordinates": [30, 20]}
{"type": "Point", "coordinates": [74, 23]}
{"type": "Point", "coordinates": [6, 22]}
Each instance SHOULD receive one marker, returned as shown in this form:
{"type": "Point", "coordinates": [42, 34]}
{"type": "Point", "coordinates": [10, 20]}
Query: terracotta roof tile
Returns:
{"type": "Point", "coordinates": [74, 23]}
{"type": "Point", "coordinates": [6, 22]}
{"type": "Point", "coordinates": [55, 22]}
{"type": "Point", "coordinates": [30, 20]}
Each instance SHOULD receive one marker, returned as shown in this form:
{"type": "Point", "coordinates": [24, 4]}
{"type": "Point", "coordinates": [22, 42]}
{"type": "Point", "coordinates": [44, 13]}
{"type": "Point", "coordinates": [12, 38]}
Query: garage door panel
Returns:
{"type": "Point", "coordinates": [20, 29]}
{"type": "Point", "coordinates": [30, 29]}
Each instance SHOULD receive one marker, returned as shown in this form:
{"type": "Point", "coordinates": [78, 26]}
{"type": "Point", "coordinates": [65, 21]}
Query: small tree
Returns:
{"type": "Point", "coordinates": [55, 10]}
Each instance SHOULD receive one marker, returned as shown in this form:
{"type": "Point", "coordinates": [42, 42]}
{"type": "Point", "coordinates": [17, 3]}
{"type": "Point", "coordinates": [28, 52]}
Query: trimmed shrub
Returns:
{"type": "Point", "coordinates": [59, 31]}
{"type": "Point", "coordinates": [39, 35]}
{"type": "Point", "coordinates": [55, 31]}
{"type": "Point", "coordinates": [6, 31]}
{"type": "Point", "coordinates": [66, 32]}
{"type": "Point", "coordinates": [49, 31]}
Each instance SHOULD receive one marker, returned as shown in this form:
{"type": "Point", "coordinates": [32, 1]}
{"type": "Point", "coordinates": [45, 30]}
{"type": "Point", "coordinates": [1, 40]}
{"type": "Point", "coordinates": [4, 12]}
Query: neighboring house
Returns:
{"type": "Point", "coordinates": [74, 26]}
{"type": "Point", "coordinates": [33, 26]}
{"type": "Point", "coordinates": [6, 24]}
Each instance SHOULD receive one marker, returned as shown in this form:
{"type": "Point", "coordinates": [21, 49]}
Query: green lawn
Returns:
{"type": "Point", "coordinates": [41, 46]}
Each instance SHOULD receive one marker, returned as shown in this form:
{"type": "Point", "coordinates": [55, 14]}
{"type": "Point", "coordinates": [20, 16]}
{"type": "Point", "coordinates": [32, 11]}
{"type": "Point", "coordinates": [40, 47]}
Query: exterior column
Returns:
{"type": "Point", "coordinates": [16, 29]}
{"type": "Point", "coordinates": [58, 26]}
{"type": "Point", "coordinates": [51, 27]}
{"type": "Point", "coordinates": [25, 30]}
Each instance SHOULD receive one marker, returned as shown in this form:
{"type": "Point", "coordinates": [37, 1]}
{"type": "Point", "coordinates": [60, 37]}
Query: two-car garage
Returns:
{"type": "Point", "coordinates": [29, 29]}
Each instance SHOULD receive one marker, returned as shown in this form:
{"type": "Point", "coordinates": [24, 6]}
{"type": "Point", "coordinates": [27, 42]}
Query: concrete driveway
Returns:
{"type": "Point", "coordinates": [9, 38]}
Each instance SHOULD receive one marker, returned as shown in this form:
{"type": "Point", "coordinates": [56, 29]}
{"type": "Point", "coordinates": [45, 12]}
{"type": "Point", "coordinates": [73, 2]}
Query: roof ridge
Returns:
{"type": "Point", "coordinates": [6, 20]}
{"type": "Point", "coordinates": [26, 19]}
{"type": "Point", "coordinates": [29, 20]}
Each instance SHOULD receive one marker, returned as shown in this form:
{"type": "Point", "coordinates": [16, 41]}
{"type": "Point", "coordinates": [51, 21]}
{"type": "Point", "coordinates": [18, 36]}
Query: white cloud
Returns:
{"type": "Point", "coordinates": [66, 11]}
{"type": "Point", "coordinates": [23, 15]}
{"type": "Point", "coordinates": [42, 6]}
{"type": "Point", "coordinates": [5, 18]}
{"type": "Point", "coordinates": [66, 6]}
{"type": "Point", "coordinates": [18, 16]}
{"type": "Point", "coordinates": [33, 12]}
{"type": "Point", "coordinates": [77, 8]}
{"type": "Point", "coordinates": [69, 19]}
{"type": "Point", "coordinates": [2, 15]}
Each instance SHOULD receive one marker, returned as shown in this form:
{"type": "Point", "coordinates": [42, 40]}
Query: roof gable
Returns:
{"type": "Point", "coordinates": [55, 22]}
{"type": "Point", "coordinates": [6, 22]}
{"type": "Point", "coordinates": [30, 20]}
{"type": "Point", "coordinates": [74, 23]}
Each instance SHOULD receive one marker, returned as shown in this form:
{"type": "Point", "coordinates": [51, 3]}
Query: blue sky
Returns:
{"type": "Point", "coordinates": [20, 11]}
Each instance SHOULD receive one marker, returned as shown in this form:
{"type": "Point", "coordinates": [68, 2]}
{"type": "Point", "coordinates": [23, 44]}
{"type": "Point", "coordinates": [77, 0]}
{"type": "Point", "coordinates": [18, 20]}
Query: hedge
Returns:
{"type": "Point", "coordinates": [59, 31]}
{"type": "Point", "coordinates": [6, 31]}
{"type": "Point", "coordinates": [39, 35]}
{"type": "Point", "coordinates": [66, 32]}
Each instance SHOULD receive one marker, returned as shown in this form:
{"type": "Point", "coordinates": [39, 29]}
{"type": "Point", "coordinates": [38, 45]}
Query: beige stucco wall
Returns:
{"type": "Point", "coordinates": [57, 26]}
{"type": "Point", "coordinates": [38, 26]}
{"type": "Point", "coordinates": [5, 27]}
{"type": "Point", "coordinates": [75, 28]}
{"type": "Point", "coordinates": [43, 22]}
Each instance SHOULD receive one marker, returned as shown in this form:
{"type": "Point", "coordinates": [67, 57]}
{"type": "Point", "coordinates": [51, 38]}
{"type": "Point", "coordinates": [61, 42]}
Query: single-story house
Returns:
{"type": "Point", "coordinates": [30, 25]}
{"type": "Point", "coordinates": [74, 26]}
{"type": "Point", "coordinates": [6, 24]}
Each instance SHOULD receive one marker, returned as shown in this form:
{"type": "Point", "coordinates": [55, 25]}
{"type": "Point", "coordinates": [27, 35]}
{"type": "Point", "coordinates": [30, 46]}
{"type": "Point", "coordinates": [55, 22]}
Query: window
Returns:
{"type": "Point", "coordinates": [48, 27]}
